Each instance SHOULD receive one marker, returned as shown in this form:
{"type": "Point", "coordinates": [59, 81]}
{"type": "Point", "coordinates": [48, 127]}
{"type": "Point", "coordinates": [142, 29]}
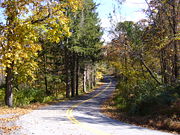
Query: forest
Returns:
{"type": "Point", "coordinates": [51, 50]}
{"type": "Point", "coordinates": [146, 60]}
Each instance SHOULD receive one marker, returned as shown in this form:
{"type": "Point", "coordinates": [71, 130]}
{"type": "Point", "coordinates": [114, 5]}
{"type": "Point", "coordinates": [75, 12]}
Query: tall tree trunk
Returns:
{"type": "Point", "coordinates": [67, 79]}
{"type": "Point", "coordinates": [9, 87]}
{"type": "Point", "coordinates": [46, 85]}
{"type": "Point", "coordinates": [84, 80]}
{"type": "Point", "coordinates": [73, 75]}
{"type": "Point", "coordinates": [178, 41]}
{"type": "Point", "coordinates": [94, 76]}
{"type": "Point", "coordinates": [77, 75]}
{"type": "Point", "coordinates": [45, 76]}
{"type": "Point", "coordinates": [175, 61]}
{"type": "Point", "coordinates": [175, 23]}
{"type": "Point", "coordinates": [178, 59]}
{"type": "Point", "coordinates": [163, 66]}
{"type": "Point", "coordinates": [87, 78]}
{"type": "Point", "coordinates": [9, 70]}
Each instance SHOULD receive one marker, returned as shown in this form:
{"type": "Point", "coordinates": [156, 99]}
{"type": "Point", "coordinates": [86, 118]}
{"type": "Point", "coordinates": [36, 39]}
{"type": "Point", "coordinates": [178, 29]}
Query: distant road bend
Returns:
{"type": "Point", "coordinates": [79, 117]}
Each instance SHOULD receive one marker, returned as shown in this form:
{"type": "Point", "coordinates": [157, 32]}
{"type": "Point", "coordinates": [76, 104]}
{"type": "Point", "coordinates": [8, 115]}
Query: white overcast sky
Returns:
{"type": "Point", "coordinates": [130, 10]}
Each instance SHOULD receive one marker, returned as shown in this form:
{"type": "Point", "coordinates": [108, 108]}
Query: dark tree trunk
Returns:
{"type": "Point", "coordinates": [178, 43]}
{"type": "Point", "coordinates": [46, 85]}
{"type": "Point", "coordinates": [73, 75]}
{"type": "Point", "coordinates": [175, 22]}
{"type": "Point", "coordinates": [9, 87]}
{"type": "Point", "coordinates": [178, 59]}
{"type": "Point", "coordinates": [89, 77]}
{"type": "Point", "coordinates": [72, 82]}
{"type": "Point", "coordinates": [175, 60]}
{"type": "Point", "coordinates": [77, 75]}
{"type": "Point", "coordinates": [149, 70]}
{"type": "Point", "coordinates": [67, 79]}
{"type": "Point", "coordinates": [9, 70]}
{"type": "Point", "coordinates": [94, 76]}
{"type": "Point", "coordinates": [173, 19]}
{"type": "Point", "coordinates": [163, 67]}
{"type": "Point", "coordinates": [45, 76]}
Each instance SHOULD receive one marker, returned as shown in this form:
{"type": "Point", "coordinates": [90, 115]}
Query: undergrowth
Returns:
{"type": "Point", "coordinates": [28, 96]}
{"type": "Point", "coordinates": [148, 104]}
{"type": "Point", "coordinates": [146, 98]}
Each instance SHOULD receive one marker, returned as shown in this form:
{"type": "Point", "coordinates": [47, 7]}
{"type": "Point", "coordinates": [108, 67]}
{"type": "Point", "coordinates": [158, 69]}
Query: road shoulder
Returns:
{"type": "Point", "coordinates": [108, 109]}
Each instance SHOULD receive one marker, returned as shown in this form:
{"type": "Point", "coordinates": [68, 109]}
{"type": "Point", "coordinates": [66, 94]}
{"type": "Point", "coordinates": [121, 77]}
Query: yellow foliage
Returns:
{"type": "Point", "coordinates": [99, 75]}
{"type": "Point", "coordinates": [116, 64]}
{"type": "Point", "coordinates": [27, 21]}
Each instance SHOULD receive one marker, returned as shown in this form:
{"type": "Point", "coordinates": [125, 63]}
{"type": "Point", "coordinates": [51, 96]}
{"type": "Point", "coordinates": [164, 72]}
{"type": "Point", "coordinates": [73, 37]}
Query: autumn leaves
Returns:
{"type": "Point", "coordinates": [27, 21]}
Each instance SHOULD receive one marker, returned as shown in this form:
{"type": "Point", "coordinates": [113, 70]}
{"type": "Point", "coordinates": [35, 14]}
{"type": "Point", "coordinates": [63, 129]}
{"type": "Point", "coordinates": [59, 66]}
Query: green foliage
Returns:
{"type": "Point", "coordinates": [31, 95]}
{"type": "Point", "coordinates": [2, 93]}
{"type": "Point", "coordinates": [132, 30]}
{"type": "Point", "coordinates": [27, 96]}
{"type": "Point", "coordinates": [85, 41]}
{"type": "Point", "coordinates": [145, 57]}
{"type": "Point", "coordinates": [145, 97]}
{"type": "Point", "coordinates": [34, 46]}
{"type": "Point", "coordinates": [48, 99]}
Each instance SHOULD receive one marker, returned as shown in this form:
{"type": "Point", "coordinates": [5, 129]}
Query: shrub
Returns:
{"type": "Point", "coordinates": [144, 96]}
{"type": "Point", "coordinates": [2, 93]}
{"type": "Point", "coordinates": [27, 96]}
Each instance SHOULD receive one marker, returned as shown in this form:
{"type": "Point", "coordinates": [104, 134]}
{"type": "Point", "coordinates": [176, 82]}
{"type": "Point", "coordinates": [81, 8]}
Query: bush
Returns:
{"type": "Point", "coordinates": [2, 93]}
{"type": "Point", "coordinates": [48, 99]}
{"type": "Point", "coordinates": [27, 96]}
{"type": "Point", "coordinates": [144, 97]}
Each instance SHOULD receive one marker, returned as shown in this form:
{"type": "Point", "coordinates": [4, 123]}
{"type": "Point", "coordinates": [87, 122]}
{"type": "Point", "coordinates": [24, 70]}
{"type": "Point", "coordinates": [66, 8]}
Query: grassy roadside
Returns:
{"type": "Point", "coordinates": [158, 121]}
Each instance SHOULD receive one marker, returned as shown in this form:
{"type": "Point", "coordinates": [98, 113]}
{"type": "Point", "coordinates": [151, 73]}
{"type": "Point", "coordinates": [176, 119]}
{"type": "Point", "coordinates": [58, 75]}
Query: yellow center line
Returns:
{"type": "Point", "coordinates": [70, 116]}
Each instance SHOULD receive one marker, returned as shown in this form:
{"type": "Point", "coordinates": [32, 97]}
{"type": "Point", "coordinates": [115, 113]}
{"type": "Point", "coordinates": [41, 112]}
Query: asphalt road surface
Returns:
{"type": "Point", "coordinates": [79, 117]}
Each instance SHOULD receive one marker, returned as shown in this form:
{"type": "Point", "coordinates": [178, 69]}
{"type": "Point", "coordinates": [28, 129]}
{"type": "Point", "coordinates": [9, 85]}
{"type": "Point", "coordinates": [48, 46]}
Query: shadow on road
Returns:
{"type": "Point", "coordinates": [89, 112]}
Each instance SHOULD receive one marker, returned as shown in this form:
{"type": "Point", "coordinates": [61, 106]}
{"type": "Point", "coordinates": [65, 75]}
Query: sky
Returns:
{"type": "Point", "coordinates": [2, 19]}
{"type": "Point", "coordinates": [130, 10]}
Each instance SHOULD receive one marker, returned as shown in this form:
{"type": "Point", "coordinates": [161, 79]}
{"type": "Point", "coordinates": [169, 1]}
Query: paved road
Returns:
{"type": "Point", "coordinates": [79, 117]}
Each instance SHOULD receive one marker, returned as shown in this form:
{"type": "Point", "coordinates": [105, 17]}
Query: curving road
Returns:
{"type": "Point", "coordinates": [79, 117]}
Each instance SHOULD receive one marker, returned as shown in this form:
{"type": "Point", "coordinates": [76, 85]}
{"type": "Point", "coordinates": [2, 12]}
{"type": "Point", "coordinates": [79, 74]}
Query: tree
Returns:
{"type": "Point", "coordinates": [84, 45]}
{"type": "Point", "coordinates": [19, 38]}
{"type": "Point", "coordinates": [164, 27]}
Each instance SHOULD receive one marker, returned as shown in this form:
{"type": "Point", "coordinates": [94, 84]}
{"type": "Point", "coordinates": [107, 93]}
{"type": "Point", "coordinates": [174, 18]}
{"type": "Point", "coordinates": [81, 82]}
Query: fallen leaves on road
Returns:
{"type": "Point", "coordinates": [7, 130]}
{"type": "Point", "coordinates": [15, 113]}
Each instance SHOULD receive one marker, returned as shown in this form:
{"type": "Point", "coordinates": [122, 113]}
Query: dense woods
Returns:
{"type": "Point", "coordinates": [48, 49]}
{"type": "Point", "coordinates": [146, 60]}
